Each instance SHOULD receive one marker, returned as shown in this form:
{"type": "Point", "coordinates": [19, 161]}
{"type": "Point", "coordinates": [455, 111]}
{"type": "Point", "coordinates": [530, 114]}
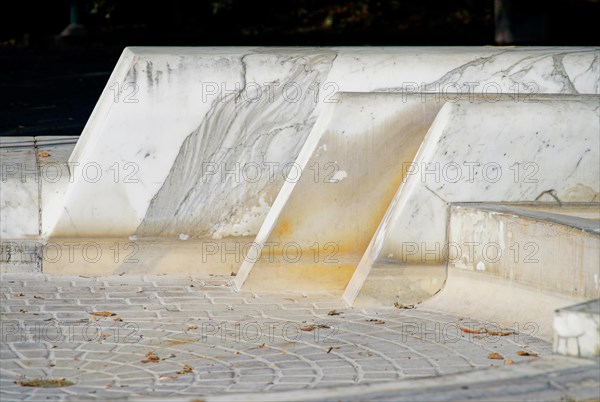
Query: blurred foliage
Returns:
{"type": "Point", "coordinates": [289, 22]}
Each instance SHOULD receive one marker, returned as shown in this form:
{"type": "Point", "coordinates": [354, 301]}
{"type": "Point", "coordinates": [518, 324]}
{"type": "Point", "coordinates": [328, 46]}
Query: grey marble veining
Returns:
{"type": "Point", "coordinates": [236, 157]}
{"type": "Point", "coordinates": [167, 111]}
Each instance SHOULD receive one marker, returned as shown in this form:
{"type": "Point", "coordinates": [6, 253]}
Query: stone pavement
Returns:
{"type": "Point", "coordinates": [183, 338]}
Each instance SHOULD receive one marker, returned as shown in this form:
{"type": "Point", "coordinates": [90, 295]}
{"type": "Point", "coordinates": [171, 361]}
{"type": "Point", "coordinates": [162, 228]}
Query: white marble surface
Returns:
{"type": "Point", "coordinates": [481, 151]}
{"type": "Point", "coordinates": [545, 251]}
{"type": "Point", "coordinates": [33, 178]}
{"type": "Point", "coordinates": [54, 174]}
{"type": "Point", "coordinates": [351, 165]}
{"type": "Point", "coordinates": [19, 189]}
{"type": "Point", "coordinates": [171, 118]}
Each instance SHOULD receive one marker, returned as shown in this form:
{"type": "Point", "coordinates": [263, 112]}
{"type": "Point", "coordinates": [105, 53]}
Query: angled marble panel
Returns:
{"type": "Point", "coordinates": [543, 150]}
{"type": "Point", "coordinates": [351, 164]}
{"type": "Point", "coordinates": [169, 116]}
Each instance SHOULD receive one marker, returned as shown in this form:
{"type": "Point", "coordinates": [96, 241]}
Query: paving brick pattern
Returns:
{"type": "Point", "coordinates": [181, 336]}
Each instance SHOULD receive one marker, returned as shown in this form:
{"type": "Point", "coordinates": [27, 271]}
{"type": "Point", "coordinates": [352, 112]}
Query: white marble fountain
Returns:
{"type": "Point", "coordinates": [386, 174]}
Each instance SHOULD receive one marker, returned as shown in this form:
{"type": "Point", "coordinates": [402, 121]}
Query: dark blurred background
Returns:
{"type": "Point", "coordinates": [56, 56]}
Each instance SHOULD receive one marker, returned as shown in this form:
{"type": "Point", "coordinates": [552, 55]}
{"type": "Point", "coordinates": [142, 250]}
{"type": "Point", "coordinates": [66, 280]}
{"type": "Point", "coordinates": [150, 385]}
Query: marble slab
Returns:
{"type": "Point", "coordinates": [34, 175]}
{"type": "Point", "coordinates": [323, 219]}
{"type": "Point", "coordinates": [543, 150]}
{"type": "Point", "coordinates": [19, 194]}
{"type": "Point", "coordinates": [164, 151]}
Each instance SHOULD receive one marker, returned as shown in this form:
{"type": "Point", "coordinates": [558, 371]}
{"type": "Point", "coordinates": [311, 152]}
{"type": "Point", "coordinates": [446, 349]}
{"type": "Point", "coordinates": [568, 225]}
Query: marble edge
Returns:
{"type": "Point", "coordinates": [400, 50]}
{"type": "Point", "coordinates": [591, 226]}
{"type": "Point", "coordinates": [580, 308]}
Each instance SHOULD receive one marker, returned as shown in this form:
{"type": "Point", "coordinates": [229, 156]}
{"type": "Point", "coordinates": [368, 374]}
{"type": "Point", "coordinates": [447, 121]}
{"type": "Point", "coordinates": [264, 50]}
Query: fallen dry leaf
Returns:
{"type": "Point", "coordinates": [104, 336]}
{"type": "Point", "coordinates": [102, 314]}
{"type": "Point", "coordinates": [38, 297]}
{"type": "Point", "coordinates": [404, 306]}
{"type": "Point", "coordinates": [174, 342]}
{"type": "Point", "coordinates": [508, 361]}
{"type": "Point", "coordinates": [19, 294]}
{"type": "Point", "coordinates": [41, 383]}
{"type": "Point", "coordinates": [498, 333]}
{"type": "Point", "coordinates": [496, 356]}
{"type": "Point", "coordinates": [117, 318]}
{"type": "Point", "coordinates": [191, 326]}
{"type": "Point", "coordinates": [334, 312]}
{"type": "Point", "coordinates": [185, 369]}
{"type": "Point", "coordinates": [376, 321]}
{"type": "Point", "coordinates": [472, 331]}
{"type": "Point", "coordinates": [151, 358]}
{"type": "Point", "coordinates": [23, 310]}
{"type": "Point", "coordinates": [43, 154]}
{"type": "Point", "coordinates": [524, 353]}
{"type": "Point", "coordinates": [312, 327]}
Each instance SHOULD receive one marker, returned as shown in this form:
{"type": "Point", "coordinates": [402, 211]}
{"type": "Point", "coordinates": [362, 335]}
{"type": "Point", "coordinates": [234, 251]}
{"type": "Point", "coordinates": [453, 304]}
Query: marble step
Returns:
{"type": "Point", "coordinates": [547, 251]}
{"type": "Point", "coordinates": [509, 265]}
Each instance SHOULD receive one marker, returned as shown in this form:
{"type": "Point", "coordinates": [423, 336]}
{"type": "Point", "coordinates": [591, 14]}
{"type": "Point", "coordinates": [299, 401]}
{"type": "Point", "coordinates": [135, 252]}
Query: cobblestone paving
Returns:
{"type": "Point", "coordinates": [180, 336]}
{"type": "Point", "coordinates": [574, 384]}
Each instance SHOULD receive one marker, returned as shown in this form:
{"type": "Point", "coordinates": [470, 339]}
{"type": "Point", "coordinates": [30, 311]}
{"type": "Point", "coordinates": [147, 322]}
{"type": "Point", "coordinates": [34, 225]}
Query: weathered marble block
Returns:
{"type": "Point", "coordinates": [165, 149]}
